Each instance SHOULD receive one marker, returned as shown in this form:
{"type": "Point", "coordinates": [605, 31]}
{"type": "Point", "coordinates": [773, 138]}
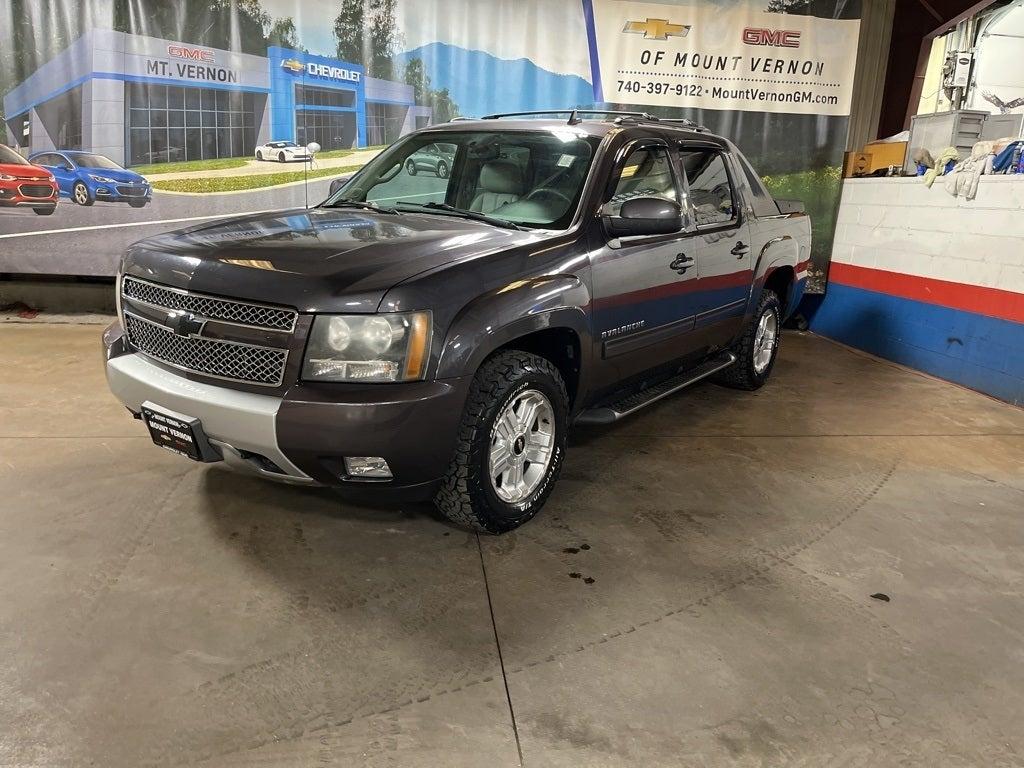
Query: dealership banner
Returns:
{"type": "Point", "coordinates": [125, 119]}
{"type": "Point", "coordinates": [716, 56]}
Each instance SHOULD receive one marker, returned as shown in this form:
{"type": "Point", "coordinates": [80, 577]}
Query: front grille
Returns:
{"type": "Point", "coordinates": [222, 359]}
{"type": "Point", "coordinates": [36, 190]}
{"type": "Point", "coordinates": [210, 307]}
{"type": "Point", "coordinates": [131, 191]}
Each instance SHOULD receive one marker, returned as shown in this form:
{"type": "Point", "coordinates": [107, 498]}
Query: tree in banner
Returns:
{"type": "Point", "coordinates": [367, 35]}
{"type": "Point", "coordinates": [444, 108]}
{"type": "Point", "coordinates": [282, 32]}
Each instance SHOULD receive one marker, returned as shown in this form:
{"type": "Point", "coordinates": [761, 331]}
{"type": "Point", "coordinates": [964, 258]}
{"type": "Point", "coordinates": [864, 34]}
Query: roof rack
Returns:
{"type": "Point", "coordinates": [620, 116]}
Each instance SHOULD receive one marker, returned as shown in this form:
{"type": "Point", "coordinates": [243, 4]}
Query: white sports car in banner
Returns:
{"type": "Point", "coordinates": [283, 152]}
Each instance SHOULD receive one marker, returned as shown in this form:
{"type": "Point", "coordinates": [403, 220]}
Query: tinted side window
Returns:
{"type": "Point", "coordinates": [712, 195]}
{"type": "Point", "coordinates": [646, 173]}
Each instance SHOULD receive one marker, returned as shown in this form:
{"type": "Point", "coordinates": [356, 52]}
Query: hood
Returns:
{"type": "Point", "coordinates": [317, 260]}
{"type": "Point", "coordinates": [24, 171]}
{"type": "Point", "coordinates": [115, 174]}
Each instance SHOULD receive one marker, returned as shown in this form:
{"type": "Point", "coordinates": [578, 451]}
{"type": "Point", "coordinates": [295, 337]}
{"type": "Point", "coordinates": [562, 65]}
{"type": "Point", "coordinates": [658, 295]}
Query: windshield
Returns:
{"type": "Point", "coordinates": [280, 144]}
{"type": "Point", "coordinates": [10, 157]}
{"type": "Point", "coordinates": [529, 178]}
{"type": "Point", "coordinates": [96, 161]}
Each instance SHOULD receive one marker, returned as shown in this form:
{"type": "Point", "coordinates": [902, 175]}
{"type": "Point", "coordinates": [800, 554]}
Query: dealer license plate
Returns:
{"type": "Point", "coordinates": [178, 433]}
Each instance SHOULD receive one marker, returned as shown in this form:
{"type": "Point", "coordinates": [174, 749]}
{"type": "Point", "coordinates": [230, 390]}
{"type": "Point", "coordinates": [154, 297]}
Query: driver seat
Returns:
{"type": "Point", "coordinates": [501, 183]}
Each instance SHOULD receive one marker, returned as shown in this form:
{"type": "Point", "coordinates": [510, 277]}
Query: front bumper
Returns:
{"type": "Point", "coordinates": [304, 436]}
{"type": "Point", "coordinates": [112, 193]}
{"type": "Point", "coordinates": [11, 194]}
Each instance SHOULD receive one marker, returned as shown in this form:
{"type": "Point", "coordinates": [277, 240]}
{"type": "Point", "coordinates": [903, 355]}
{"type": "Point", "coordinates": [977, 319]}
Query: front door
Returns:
{"type": "Point", "coordinates": [644, 287]}
{"type": "Point", "coordinates": [722, 245]}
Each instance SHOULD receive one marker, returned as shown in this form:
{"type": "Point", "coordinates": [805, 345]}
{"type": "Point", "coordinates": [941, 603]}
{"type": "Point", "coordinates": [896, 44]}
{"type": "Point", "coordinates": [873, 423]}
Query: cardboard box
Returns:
{"type": "Point", "coordinates": [886, 153]}
{"type": "Point", "coordinates": [856, 164]}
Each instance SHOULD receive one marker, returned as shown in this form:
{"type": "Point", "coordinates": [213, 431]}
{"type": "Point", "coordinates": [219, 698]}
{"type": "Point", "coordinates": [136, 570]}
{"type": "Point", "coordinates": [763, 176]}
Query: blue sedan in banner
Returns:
{"type": "Point", "coordinates": [85, 178]}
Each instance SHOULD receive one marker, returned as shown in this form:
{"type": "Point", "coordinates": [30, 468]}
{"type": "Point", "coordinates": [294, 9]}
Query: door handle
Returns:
{"type": "Point", "coordinates": [740, 250]}
{"type": "Point", "coordinates": [681, 263]}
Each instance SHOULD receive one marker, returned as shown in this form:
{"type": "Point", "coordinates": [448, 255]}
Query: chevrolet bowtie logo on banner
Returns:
{"type": "Point", "coordinates": [657, 29]}
{"type": "Point", "coordinates": [731, 56]}
{"type": "Point", "coordinates": [293, 65]}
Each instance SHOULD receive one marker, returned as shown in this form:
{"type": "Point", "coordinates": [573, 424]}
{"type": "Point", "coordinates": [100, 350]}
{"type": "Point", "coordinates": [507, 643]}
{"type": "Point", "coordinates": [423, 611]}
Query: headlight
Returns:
{"type": "Point", "coordinates": [101, 179]}
{"type": "Point", "coordinates": [5, 177]}
{"type": "Point", "coordinates": [388, 347]}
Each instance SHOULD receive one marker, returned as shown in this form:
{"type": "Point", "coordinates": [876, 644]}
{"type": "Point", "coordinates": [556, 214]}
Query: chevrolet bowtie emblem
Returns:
{"type": "Point", "coordinates": [292, 65]}
{"type": "Point", "coordinates": [184, 323]}
{"type": "Point", "coordinates": [657, 29]}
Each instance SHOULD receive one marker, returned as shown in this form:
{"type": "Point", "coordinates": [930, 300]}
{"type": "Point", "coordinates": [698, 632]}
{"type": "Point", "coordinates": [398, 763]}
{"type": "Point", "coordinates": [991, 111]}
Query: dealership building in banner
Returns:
{"type": "Point", "coordinates": [142, 99]}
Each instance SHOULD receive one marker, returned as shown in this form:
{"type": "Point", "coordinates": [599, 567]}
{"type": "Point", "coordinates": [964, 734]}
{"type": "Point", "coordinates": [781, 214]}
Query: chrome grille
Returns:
{"type": "Point", "coordinates": [222, 359]}
{"type": "Point", "coordinates": [209, 307]}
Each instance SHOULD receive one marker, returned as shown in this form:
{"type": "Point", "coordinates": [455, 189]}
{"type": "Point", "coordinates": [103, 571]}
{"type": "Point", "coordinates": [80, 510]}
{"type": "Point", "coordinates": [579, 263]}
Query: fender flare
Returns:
{"type": "Point", "coordinates": [497, 317]}
{"type": "Point", "coordinates": [767, 263]}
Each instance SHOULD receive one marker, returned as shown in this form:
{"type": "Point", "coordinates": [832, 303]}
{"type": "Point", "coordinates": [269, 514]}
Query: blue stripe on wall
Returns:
{"type": "Point", "coordinates": [983, 353]}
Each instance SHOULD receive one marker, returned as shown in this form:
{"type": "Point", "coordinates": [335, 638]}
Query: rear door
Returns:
{"type": "Point", "coordinates": [644, 300]}
{"type": "Point", "coordinates": [721, 245]}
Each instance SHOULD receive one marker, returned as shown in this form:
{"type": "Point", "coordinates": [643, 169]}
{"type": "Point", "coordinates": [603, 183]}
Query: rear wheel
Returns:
{"type": "Point", "coordinates": [81, 195]}
{"type": "Point", "coordinates": [259, 156]}
{"type": "Point", "coordinates": [410, 167]}
{"type": "Point", "coordinates": [442, 170]}
{"type": "Point", "coordinates": [510, 446]}
{"type": "Point", "coordinates": [757, 347]}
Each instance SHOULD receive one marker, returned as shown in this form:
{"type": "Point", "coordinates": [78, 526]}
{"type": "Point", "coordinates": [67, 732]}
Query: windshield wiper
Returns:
{"type": "Point", "coordinates": [451, 210]}
{"type": "Point", "coordinates": [348, 202]}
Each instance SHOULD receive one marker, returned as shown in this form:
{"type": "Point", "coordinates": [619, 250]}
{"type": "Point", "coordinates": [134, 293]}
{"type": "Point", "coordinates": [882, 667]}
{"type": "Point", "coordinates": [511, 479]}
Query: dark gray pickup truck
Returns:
{"type": "Point", "coordinates": [435, 335]}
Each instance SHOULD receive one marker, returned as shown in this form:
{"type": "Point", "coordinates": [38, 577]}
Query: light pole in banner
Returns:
{"type": "Point", "coordinates": [312, 148]}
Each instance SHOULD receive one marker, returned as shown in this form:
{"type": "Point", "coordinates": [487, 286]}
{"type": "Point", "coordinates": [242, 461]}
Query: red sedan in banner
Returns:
{"type": "Point", "coordinates": [24, 184]}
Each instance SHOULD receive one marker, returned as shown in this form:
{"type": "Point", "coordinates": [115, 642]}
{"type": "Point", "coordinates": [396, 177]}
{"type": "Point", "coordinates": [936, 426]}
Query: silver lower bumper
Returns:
{"type": "Point", "coordinates": [234, 421]}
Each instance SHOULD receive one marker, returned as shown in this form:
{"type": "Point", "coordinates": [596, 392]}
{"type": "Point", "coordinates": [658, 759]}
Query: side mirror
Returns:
{"type": "Point", "coordinates": [338, 183]}
{"type": "Point", "coordinates": [645, 216]}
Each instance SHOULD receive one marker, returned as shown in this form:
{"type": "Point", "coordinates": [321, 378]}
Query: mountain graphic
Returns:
{"type": "Point", "coordinates": [481, 83]}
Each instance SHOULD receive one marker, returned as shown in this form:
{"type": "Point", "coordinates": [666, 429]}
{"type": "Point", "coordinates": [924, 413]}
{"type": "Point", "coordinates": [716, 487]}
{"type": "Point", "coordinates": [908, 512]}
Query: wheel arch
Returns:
{"type": "Point", "coordinates": [544, 315]}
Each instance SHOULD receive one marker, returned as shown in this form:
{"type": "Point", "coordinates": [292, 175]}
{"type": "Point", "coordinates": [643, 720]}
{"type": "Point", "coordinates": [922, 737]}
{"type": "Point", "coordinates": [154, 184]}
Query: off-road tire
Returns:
{"type": "Point", "coordinates": [742, 375]}
{"type": "Point", "coordinates": [466, 496]}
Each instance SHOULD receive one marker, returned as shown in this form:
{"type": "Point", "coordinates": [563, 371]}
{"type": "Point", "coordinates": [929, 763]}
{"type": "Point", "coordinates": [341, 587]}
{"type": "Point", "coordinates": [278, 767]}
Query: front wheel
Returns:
{"type": "Point", "coordinates": [410, 168]}
{"type": "Point", "coordinates": [137, 203]}
{"type": "Point", "coordinates": [280, 157]}
{"type": "Point", "coordinates": [442, 170]}
{"type": "Point", "coordinates": [45, 211]}
{"type": "Point", "coordinates": [757, 348]}
{"type": "Point", "coordinates": [511, 444]}
{"type": "Point", "coordinates": [81, 194]}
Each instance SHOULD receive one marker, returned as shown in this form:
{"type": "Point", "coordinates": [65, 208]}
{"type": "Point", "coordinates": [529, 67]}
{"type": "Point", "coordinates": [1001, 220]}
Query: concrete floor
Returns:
{"type": "Point", "coordinates": [697, 591]}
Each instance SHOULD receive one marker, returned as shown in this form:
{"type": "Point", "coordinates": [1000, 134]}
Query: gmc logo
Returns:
{"type": "Point", "coordinates": [192, 54]}
{"type": "Point", "coordinates": [776, 38]}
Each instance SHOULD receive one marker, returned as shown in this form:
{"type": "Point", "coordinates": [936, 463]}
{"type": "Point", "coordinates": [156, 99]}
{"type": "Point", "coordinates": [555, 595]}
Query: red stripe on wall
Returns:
{"type": "Point", "coordinates": [991, 302]}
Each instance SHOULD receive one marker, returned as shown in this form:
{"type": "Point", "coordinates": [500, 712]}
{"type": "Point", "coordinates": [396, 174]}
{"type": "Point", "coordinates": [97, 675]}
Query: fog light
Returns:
{"type": "Point", "coordinates": [367, 466]}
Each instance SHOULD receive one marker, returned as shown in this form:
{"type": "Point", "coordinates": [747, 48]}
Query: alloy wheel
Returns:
{"type": "Point", "coordinates": [521, 446]}
{"type": "Point", "coordinates": [765, 340]}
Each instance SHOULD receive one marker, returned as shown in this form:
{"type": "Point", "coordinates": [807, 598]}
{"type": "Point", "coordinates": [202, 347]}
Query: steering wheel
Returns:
{"type": "Point", "coordinates": [549, 192]}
